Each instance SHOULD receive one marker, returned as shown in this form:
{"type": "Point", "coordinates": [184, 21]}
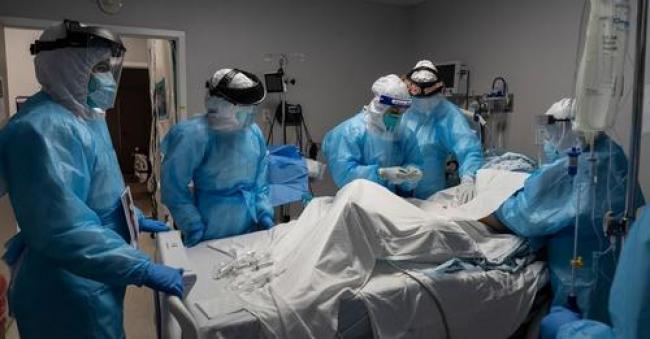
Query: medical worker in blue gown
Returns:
{"type": "Point", "coordinates": [629, 300]}
{"type": "Point", "coordinates": [546, 208]}
{"type": "Point", "coordinates": [71, 261]}
{"type": "Point", "coordinates": [441, 130]}
{"type": "Point", "coordinates": [371, 146]}
{"type": "Point", "coordinates": [223, 153]}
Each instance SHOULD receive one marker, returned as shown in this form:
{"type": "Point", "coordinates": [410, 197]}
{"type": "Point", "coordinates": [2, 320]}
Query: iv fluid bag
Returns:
{"type": "Point", "coordinates": [599, 86]}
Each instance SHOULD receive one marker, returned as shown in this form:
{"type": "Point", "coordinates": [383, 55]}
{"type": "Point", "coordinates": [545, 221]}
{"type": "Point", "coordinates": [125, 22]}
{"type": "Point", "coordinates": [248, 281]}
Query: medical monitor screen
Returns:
{"type": "Point", "coordinates": [273, 82]}
{"type": "Point", "coordinates": [448, 74]}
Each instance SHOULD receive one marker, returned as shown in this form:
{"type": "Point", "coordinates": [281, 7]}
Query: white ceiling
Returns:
{"type": "Point", "coordinates": [398, 2]}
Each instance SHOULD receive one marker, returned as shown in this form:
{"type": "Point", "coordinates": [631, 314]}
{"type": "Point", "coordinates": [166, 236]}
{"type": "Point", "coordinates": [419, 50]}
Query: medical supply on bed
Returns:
{"type": "Point", "coordinates": [249, 260]}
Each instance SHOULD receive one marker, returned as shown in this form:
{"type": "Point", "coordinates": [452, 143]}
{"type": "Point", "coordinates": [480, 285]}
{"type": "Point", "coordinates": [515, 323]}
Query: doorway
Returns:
{"type": "Point", "coordinates": [129, 122]}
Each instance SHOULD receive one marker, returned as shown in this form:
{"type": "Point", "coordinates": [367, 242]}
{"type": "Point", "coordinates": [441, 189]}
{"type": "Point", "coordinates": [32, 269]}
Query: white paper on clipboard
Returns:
{"type": "Point", "coordinates": [131, 216]}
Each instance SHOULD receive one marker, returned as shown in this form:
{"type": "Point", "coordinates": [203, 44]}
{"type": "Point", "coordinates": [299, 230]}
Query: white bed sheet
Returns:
{"type": "Point", "coordinates": [497, 300]}
{"type": "Point", "coordinates": [331, 251]}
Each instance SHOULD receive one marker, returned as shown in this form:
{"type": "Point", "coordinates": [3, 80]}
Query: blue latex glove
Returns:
{"type": "Point", "coordinates": [555, 319]}
{"type": "Point", "coordinates": [192, 237]}
{"type": "Point", "coordinates": [165, 279]}
{"type": "Point", "coordinates": [267, 222]}
{"type": "Point", "coordinates": [153, 226]}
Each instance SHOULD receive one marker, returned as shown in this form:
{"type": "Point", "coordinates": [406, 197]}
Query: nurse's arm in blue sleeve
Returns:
{"type": "Point", "coordinates": [465, 144]}
{"type": "Point", "coordinates": [49, 180]}
{"type": "Point", "coordinates": [183, 152]}
{"type": "Point", "coordinates": [545, 205]}
{"type": "Point", "coordinates": [344, 160]}
{"type": "Point", "coordinates": [263, 206]}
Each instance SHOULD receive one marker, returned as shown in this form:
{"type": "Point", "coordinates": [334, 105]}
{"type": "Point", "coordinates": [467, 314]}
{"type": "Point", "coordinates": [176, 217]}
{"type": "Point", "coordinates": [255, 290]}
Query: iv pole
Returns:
{"type": "Point", "coordinates": [637, 113]}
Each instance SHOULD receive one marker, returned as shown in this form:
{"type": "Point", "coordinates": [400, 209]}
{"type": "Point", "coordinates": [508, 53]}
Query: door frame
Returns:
{"type": "Point", "coordinates": [138, 32]}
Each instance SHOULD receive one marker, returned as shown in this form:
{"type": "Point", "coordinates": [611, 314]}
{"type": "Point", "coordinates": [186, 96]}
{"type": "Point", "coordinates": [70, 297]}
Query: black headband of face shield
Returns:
{"type": "Point", "coordinates": [551, 120]}
{"type": "Point", "coordinates": [428, 85]}
{"type": "Point", "coordinates": [82, 37]}
{"type": "Point", "coordinates": [238, 96]}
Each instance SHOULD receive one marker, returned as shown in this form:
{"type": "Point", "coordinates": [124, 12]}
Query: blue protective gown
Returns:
{"type": "Point", "coordinates": [546, 209]}
{"type": "Point", "coordinates": [441, 132]}
{"type": "Point", "coordinates": [355, 152]}
{"type": "Point", "coordinates": [229, 171]}
{"type": "Point", "coordinates": [64, 183]}
{"type": "Point", "coordinates": [629, 302]}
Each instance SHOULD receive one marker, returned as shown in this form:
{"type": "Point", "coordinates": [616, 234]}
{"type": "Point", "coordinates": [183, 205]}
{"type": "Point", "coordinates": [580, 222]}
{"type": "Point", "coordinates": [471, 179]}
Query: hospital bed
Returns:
{"type": "Point", "coordinates": [503, 304]}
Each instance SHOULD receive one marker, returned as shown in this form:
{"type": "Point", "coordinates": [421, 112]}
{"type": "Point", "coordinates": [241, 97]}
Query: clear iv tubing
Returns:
{"type": "Point", "coordinates": [575, 240]}
{"type": "Point", "coordinates": [592, 190]}
{"type": "Point", "coordinates": [573, 171]}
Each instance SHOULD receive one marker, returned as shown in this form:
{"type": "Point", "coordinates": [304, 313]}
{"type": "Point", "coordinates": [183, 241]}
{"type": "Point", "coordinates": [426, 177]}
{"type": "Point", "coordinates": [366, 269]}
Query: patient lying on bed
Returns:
{"type": "Point", "coordinates": [332, 249]}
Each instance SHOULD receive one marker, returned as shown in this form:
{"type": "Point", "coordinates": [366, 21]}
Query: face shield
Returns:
{"type": "Point", "coordinates": [108, 63]}
{"type": "Point", "coordinates": [99, 55]}
{"type": "Point", "coordinates": [553, 138]}
{"type": "Point", "coordinates": [232, 98]}
{"type": "Point", "coordinates": [419, 87]}
{"type": "Point", "coordinates": [395, 108]}
{"type": "Point", "coordinates": [227, 117]}
{"type": "Point", "coordinates": [243, 96]}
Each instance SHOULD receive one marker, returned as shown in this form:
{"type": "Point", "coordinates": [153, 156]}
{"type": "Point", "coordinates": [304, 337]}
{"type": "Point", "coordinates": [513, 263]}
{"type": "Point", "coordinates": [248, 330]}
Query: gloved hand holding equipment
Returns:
{"type": "Point", "coordinates": [152, 225]}
{"type": "Point", "coordinates": [395, 175]}
{"type": "Point", "coordinates": [413, 174]}
{"type": "Point", "coordinates": [165, 279]}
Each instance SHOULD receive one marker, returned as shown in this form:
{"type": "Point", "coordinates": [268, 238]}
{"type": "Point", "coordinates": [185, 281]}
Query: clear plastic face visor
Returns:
{"type": "Point", "coordinates": [106, 58]}
{"type": "Point", "coordinates": [552, 132]}
{"type": "Point", "coordinates": [111, 65]}
{"type": "Point", "coordinates": [557, 137]}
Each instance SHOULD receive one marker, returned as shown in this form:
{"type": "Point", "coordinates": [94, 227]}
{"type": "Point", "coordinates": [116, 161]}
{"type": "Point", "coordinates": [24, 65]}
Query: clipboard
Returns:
{"type": "Point", "coordinates": [131, 216]}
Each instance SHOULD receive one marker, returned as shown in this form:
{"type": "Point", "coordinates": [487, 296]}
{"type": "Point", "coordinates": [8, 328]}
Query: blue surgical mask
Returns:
{"type": "Point", "coordinates": [391, 121]}
{"type": "Point", "coordinates": [102, 90]}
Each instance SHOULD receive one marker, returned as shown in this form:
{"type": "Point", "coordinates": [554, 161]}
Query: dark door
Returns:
{"type": "Point", "coordinates": [129, 122]}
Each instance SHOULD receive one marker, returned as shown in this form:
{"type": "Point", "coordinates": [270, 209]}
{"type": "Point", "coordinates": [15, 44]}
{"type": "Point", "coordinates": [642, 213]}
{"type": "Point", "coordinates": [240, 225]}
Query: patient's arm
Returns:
{"type": "Point", "coordinates": [496, 224]}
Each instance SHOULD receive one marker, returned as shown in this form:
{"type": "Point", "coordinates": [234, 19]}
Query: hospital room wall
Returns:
{"type": "Point", "coordinates": [533, 44]}
{"type": "Point", "coordinates": [347, 44]}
